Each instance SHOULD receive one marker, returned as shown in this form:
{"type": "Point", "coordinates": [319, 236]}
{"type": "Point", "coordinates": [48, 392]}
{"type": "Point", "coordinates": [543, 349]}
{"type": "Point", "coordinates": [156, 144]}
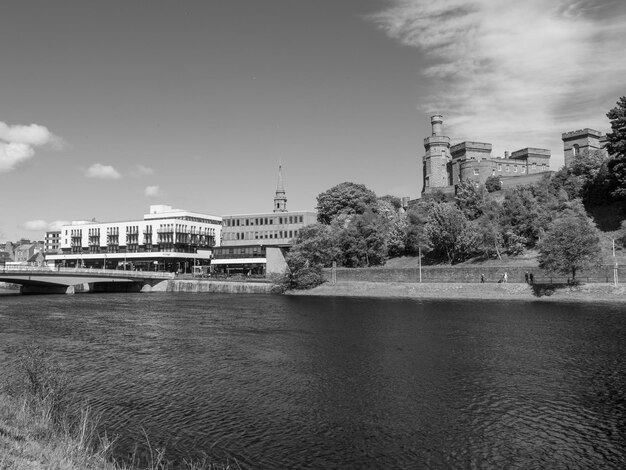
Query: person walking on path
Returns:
{"type": "Point", "coordinates": [504, 277]}
{"type": "Point", "coordinates": [526, 278]}
{"type": "Point", "coordinates": [482, 278]}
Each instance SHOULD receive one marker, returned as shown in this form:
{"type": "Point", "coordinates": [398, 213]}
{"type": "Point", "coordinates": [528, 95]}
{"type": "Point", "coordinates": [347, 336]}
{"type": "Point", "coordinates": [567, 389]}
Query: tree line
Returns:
{"type": "Point", "coordinates": [356, 228]}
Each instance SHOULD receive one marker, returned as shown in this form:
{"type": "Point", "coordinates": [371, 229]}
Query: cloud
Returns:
{"type": "Point", "coordinates": [152, 191]}
{"type": "Point", "coordinates": [516, 73]}
{"type": "Point", "coordinates": [143, 171]}
{"type": "Point", "coordinates": [105, 172]}
{"type": "Point", "coordinates": [35, 225]}
{"type": "Point", "coordinates": [43, 226]}
{"type": "Point", "coordinates": [17, 143]}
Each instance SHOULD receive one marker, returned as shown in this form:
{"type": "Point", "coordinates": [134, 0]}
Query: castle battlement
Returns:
{"type": "Point", "coordinates": [580, 133]}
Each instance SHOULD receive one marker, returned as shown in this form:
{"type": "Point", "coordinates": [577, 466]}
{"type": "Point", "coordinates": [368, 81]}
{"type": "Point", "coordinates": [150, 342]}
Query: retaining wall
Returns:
{"type": "Point", "coordinates": [214, 286]}
{"type": "Point", "coordinates": [466, 274]}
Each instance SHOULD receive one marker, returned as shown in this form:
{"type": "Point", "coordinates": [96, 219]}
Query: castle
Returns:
{"type": "Point", "coordinates": [583, 140]}
{"type": "Point", "coordinates": [445, 165]}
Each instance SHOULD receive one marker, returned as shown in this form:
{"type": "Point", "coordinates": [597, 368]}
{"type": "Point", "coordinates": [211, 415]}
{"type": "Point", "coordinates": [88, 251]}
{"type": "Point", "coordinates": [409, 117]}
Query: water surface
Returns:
{"type": "Point", "coordinates": [297, 382]}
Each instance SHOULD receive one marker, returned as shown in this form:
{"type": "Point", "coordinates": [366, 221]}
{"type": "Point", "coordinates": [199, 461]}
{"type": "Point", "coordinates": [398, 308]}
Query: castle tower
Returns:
{"type": "Point", "coordinates": [436, 158]}
{"type": "Point", "coordinates": [576, 142]}
{"type": "Point", "coordinates": [280, 199]}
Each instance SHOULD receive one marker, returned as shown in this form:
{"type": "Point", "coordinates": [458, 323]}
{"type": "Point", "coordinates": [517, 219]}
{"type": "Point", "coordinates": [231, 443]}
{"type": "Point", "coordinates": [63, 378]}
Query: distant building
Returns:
{"type": "Point", "coordinates": [256, 243]}
{"type": "Point", "coordinates": [52, 242]}
{"type": "Point", "coordinates": [166, 239]}
{"type": "Point", "coordinates": [446, 165]}
{"type": "Point", "coordinates": [26, 251]}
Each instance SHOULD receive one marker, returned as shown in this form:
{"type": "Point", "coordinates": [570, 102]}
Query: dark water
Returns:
{"type": "Point", "coordinates": [284, 382]}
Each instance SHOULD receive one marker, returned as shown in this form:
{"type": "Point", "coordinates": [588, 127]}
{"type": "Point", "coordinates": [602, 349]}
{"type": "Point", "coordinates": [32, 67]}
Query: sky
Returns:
{"type": "Point", "coordinates": [109, 107]}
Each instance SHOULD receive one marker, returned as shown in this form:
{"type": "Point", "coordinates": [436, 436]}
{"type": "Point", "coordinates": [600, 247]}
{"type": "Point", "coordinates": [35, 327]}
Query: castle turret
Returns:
{"type": "Point", "coordinates": [583, 140]}
{"type": "Point", "coordinates": [436, 158]}
{"type": "Point", "coordinates": [280, 199]}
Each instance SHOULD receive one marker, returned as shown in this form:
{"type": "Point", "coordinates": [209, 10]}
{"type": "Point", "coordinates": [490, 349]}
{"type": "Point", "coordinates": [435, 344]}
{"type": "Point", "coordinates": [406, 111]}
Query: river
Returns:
{"type": "Point", "coordinates": [299, 382]}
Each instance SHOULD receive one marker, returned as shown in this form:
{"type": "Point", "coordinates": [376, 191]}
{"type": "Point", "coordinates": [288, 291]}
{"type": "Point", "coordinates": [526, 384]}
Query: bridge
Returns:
{"type": "Point", "coordinates": [51, 280]}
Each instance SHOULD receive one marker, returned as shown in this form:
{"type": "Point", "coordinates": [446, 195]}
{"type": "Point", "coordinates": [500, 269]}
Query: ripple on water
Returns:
{"type": "Point", "coordinates": [281, 382]}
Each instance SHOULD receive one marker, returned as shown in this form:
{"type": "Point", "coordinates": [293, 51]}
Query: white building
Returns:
{"type": "Point", "coordinates": [166, 239]}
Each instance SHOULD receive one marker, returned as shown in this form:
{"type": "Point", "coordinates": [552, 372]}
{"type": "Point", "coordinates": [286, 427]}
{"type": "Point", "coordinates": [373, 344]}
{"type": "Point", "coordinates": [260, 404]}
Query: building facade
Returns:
{"type": "Point", "coordinates": [256, 243]}
{"type": "Point", "coordinates": [166, 239]}
{"type": "Point", "coordinates": [52, 242]}
{"type": "Point", "coordinates": [446, 165]}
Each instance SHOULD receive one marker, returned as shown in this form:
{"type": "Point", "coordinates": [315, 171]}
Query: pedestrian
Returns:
{"type": "Point", "coordinates": [504, 277]}
{"type": "Point", "coordinates": [532, 278]}
{"type": "Point", "coordinates": [482, 278]}
{"type": "Point", "coordinates": [526, 278]}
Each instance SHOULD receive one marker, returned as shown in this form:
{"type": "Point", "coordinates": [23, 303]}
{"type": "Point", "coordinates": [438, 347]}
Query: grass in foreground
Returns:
{"type": "Point", "coordinates": [42, 426]}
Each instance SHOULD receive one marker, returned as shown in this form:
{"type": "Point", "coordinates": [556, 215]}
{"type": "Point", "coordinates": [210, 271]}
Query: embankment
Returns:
{"type": "Point", "coordinates": [227, 287]}
{"type": "Point", "coordinates": [488, 291]}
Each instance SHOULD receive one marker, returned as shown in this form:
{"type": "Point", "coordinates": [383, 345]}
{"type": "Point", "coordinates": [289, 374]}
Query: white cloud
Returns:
{"type": "Point", "coordinates": [35, 225]}
{"type": "Point", "coordinates": [152, 191]}
{"type": "Point", "coordinates": [142, 170]}
{"type": "Point", "coordinates": [516, 73]}
{"type": "Point", "coordinates": [43, 226]}
{"type": "Point", "coordinates": [105, 172]}
{"type": "Point", "coordinates": [17, 143]}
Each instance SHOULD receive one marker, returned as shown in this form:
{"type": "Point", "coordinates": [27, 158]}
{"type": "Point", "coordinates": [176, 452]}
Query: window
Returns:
{"type": "Point", "coordinates": [476, 172]}
{"type": "Point", "coordinates": [576, 149]}
{"type": "Point", "coordinates": [515, 169]}
{"type": "Point", "coordinates": [523, 169]}
{"type": "Point", "coordinates": [506, 168]}
{"type": "Point", "coordinates": [499, 166]}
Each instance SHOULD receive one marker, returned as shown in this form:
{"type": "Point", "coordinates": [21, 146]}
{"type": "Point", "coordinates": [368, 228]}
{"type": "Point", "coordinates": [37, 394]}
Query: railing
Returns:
{"type": "Point", "coordinates": [93, 272]}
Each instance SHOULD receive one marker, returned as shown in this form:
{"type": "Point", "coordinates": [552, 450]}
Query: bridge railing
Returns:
{"type": "Point", "coordinates": [88, 271]}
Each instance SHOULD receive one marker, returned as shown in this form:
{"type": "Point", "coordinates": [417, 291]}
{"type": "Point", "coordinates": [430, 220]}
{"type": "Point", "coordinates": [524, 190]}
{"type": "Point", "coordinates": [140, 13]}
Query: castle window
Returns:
{"type": "Point", "coordinates": [499, 166]}
{"type": "Point", "coordinates": [506, 168]}
{"type": "Point", "coordinates": [476, 172]}
{"type": "Point", "coordinates": [515, 169]}
{"type": "Point", "coordinates": [523, 169]}
{"type": "Point", "coordinates": [576, 149]}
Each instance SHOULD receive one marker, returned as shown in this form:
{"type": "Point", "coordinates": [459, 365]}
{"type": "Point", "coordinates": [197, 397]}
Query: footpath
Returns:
{"type": "Point", "coordinates": [597, 292]}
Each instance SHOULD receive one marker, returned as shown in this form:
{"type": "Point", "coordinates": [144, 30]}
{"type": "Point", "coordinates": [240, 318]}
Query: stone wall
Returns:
{"type": "Point", "coordinates": [215, 286]}
{"type": "Point", "coordinates": [466, 274]}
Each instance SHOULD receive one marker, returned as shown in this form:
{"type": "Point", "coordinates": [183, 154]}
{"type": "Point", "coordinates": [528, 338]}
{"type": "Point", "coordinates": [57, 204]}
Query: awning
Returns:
{"type": "Point", "coordinates": [239, 261]}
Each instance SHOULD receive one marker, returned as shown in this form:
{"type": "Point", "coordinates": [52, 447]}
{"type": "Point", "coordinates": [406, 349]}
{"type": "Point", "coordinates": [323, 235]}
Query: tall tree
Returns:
{"type": "Point", "coordinates": [470, 198]}
{"type": "Point", "coordinates": [450, 232]}
{"type": "Point", "coordinates": [616, 146]}
{"type": "Point", "coordinates": [570, 244]}
{"type": "Point", "coordinates": [345, 199]}
{"type": "Point", "coordinates": [316, 243]}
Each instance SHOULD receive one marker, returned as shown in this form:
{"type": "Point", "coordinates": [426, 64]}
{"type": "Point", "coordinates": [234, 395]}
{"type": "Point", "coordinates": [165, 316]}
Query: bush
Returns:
{"type": "Point", "coordinates": [493, 184]}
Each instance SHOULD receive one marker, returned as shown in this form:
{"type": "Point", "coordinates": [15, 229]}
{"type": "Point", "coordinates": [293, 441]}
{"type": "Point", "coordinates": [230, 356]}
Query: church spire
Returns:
{"type": "Point", "coordinates": [280, 199]}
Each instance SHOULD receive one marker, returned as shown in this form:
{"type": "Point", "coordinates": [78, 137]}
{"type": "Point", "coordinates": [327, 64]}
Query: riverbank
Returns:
{"type": "Point", "coordinates": [456, 291]}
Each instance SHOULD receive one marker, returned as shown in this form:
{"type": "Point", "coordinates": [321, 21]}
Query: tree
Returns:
{"type": "Point", "coordinates": [361, 240]}
{"type": "Point", "coordinates": [470, 198]}
{"type": "Point", "coordinates": [493, 184]}
{"type": "Point", "coordinates": [489, 229]}
{"type": "Point", "coordinates": [302, 273]}
{"type": "Point", "coordinates": [616, 146]}
{"type": "Point", "coordinates": [570, 244]}
{"type": "Point", "coordinates": [316, 243]}
{"type": "Point", "coordinates": [345, 198]}
{"type": "Point", "coordinates": [521, 214]}
{"type": "Point", "coordinates": [417, 240]}
{"type": "Point", "coordinates": [395, 224]}
{"type": "Point", "coordinates": [450, 233]}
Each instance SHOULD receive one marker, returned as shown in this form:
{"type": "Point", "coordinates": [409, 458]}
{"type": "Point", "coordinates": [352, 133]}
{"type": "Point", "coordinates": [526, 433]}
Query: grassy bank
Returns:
{"type": "Point", "coordinates": [491, 291]}
{"type": "Point", "coordinates": [42, 427]}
